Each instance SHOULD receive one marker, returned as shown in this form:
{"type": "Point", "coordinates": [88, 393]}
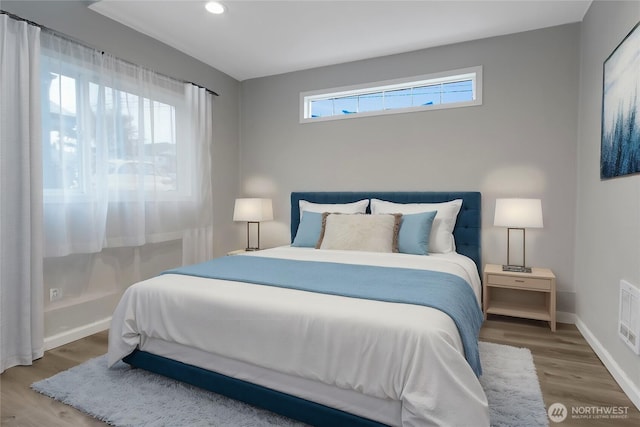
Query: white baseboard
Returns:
{"type": "Point", "coordinates": [630, 389]}
{"type": "Point", "coordinates": [75, 334]}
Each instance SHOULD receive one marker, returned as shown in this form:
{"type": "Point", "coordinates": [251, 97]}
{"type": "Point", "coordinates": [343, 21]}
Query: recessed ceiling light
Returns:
{"type": "Point", "coordinates": [214, 7]}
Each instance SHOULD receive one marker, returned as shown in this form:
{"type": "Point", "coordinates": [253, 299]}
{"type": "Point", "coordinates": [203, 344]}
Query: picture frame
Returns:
{"type": "Point", "coordinates": [620, 128]}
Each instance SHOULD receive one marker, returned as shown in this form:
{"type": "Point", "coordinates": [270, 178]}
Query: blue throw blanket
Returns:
{"type": "Point", "coordinates": [443, 291]}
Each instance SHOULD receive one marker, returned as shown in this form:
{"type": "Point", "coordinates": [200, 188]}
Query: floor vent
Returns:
{"type": "Point", "coordinates": [629, 320]}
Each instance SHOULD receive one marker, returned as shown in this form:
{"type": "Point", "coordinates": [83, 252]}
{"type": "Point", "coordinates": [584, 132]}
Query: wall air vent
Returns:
{"type": "Point", "coordinates": [629, 318]}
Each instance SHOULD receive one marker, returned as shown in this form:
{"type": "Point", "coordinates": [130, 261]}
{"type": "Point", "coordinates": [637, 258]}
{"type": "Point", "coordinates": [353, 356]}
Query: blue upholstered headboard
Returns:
{"type": "Point", "coordinates": [467, 232]}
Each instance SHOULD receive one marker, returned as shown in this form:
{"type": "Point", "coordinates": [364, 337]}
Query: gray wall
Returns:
{"type": "Point", "coordinates": [520, 143]}
{"type": "Point", "coordinates": [92, 284]}
{"type": "Point", "coordinates": [608, 212]}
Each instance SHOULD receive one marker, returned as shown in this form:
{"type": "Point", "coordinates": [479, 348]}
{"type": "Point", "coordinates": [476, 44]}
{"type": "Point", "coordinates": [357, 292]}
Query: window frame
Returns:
{"type": "Point", "coordinates": [475, 73]}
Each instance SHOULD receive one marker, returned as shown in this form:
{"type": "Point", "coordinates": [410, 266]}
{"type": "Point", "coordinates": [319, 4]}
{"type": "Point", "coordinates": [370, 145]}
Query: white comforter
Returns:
{"type": "Point", "coordinates": [402, 352]}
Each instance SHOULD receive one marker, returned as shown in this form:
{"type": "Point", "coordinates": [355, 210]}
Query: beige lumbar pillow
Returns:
{"type": "Point", "coordinates": [357, 232]}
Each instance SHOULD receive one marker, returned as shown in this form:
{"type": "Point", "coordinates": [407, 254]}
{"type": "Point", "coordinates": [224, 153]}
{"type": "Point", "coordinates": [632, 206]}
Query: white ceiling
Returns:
{"type": "Point", "coordinates": [266, 37]}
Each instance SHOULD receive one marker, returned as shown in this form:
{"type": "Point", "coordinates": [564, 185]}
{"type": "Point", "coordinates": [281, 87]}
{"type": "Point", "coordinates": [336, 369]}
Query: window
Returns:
{"type": "Point", "coordinates": [125, 153]}
{"type": "Point", "coordinates": [450, 89]}
{"type": "Point", "coordinates": [96, 133]}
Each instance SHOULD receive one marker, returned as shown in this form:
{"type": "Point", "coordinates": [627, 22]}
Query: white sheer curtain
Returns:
{"type": "Point", "coordinates": [197, 240]}
{"type": "Point", "coordinates": [21, 300]}
{"type": "Point", "coordinates": [126, 155]}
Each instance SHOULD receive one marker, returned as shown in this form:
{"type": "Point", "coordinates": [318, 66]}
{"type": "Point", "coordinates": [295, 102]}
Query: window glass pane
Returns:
{"type": "Point", "coordinates": [346, 105]}
{"type": "Point", "coordinates": [457, 92]}
{"type": "Point", "coordinates": [426, 95]}
{"type": "Point", "coordinates": [370, 102]}
{"type": "Point", "coordinates": [322, 108]}
{"type": "Point", "coordinates": [62, 154]}
{"type": "Point", "coordinates": [126, 123]}
{"type": "Point", "coordinates": [397, 99]}
{"type": "Point", "coordinates": [114, 127]}
{"type": "Point", "coordinates": [148, 122]}
{"type": "Point", "coordinates": [160, 142]}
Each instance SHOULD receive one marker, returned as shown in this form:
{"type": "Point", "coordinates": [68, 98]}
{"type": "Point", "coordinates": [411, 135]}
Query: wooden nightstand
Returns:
{"type": "Point", "coordinates": [527, 295]}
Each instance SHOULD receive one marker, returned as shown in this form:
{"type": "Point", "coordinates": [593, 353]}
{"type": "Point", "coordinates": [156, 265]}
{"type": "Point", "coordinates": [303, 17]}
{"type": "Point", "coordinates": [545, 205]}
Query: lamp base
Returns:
{"type": "Point", "coordinates": [516, 268]}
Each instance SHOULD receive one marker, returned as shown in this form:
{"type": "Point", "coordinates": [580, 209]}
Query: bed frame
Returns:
{"type": "Point", "coordinates": [467, 236]}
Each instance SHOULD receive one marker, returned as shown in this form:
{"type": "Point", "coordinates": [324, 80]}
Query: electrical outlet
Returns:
{"type": "Point", "coordinates": [55, 294]}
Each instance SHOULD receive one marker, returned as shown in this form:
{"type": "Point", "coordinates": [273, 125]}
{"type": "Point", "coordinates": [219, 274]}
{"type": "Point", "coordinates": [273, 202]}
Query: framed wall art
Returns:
{"type": "Point", "coordinates": [620, 142]}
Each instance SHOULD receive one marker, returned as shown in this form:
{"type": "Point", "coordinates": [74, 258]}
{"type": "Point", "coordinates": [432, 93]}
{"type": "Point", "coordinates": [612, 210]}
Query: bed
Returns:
{"type": "Point", "coordinates": [327, 358]}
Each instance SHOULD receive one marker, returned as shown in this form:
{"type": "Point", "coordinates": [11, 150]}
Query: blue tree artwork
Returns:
{"type": "Point", "coordinates": [620, 143]}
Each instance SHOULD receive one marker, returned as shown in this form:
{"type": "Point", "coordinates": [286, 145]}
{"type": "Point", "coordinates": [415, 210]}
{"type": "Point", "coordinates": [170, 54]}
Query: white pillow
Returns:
{"type": "Point", "coordinates": [372, 233]}
{"type": "Point", "coordinates": [441, 239]}
{"type": "Point", "coordinates": [348, 208]}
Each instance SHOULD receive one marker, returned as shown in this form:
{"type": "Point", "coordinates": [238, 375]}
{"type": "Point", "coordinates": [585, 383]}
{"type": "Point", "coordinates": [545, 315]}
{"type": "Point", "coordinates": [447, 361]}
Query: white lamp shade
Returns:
{"type": "Point", "coordinates": [253, 210]}
{"type": "Point", "coordinates": [518, 213]}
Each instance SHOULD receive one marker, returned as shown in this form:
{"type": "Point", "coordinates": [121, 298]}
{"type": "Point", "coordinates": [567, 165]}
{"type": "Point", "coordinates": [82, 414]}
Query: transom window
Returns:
{"type": "Point", "coordinates": [449, 89]}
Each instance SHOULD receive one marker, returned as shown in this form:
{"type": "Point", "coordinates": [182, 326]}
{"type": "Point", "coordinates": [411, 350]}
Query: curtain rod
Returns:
{"type": "Point", "coordinates": [64, 36]}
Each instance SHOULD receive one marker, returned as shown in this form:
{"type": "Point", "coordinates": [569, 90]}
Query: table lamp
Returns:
{"type": "Point", "coordinates": [518, 214]}
{"type": "Point", "coordinates": [253, 211]}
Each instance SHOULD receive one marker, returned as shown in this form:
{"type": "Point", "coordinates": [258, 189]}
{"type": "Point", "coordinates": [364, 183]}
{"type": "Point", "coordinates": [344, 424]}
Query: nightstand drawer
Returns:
{"type": "Point", "coordinates": [519, 282]}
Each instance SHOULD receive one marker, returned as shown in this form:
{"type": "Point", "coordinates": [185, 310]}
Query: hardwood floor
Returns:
{"type": "Point", "coordinates": [569, 371]}
{"type": "Point", "coordinates": [21, 406]}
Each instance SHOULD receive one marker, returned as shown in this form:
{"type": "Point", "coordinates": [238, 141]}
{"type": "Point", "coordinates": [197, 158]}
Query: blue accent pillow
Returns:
{"type": "Point", "coordinates": [309, 230]}
{"type": "Point", "coordinates": [415, 230]}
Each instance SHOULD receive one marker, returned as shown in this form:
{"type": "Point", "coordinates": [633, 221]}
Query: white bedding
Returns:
{"type": "Point", "coordinates": [385, 351]}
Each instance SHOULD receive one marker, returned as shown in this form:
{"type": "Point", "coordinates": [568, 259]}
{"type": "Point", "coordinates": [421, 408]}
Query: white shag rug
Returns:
{"type": "Point", "coordinates": [133, 397]}
{"type": "Point", "coordinates": [510, 381]}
